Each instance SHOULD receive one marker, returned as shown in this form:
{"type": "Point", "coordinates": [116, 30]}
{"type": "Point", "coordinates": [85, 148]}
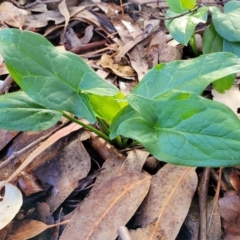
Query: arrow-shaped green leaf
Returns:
{"type": "Point", "coordinates": [185, 129]}
{"type": "Point", "coordinates": [19, 112]}
{"type": "Point", "coordinates": [187, 75]}
{"type": "Point", "coordinates": [52, 78]}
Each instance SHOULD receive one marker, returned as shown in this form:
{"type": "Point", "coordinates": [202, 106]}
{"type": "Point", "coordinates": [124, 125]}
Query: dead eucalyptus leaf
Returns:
{"type": "Point", "coordinates": [62, 7]}
{"type": "Point", "coordinates": [11, 15]}
{"type": "Point", "coordinates": [108, 207]}
{"type": "Point", "coordinates": [168, 201]}
{"type": "Point", "coordinates": [25, 229]}
{"type": "Point", "coordinates": [10, 204]}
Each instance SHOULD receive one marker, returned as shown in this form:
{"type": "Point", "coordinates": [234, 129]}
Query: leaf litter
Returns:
{"type": "Point", "coordinates": [68, 176]}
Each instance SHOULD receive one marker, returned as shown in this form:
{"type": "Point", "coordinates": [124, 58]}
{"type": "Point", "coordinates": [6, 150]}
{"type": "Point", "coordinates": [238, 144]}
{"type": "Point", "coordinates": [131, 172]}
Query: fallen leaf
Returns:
{"type": "Point", "coordinates": [25, 229]}
{"type": "Point", "coordinates": [6, 137]}
{"type": "Point", "coordinates": [114, 202]}
{"type": "Point", "coordinates": [234, 179]}
{"type": "Point", "coordinates": [11, 15]}
{"type": "Point", "coordinates": [28, 184]}
{"type": "Point", "coordinates": [230, 98]}
{"type": "Point", "coordinates": [56, 136]}
{"type": "Point", "coordinates": [119, 70]}
{"type": "Point", "coordinates": [62, 7]}
{"type": "Point", "coordinates": [168, 201]}
{"type": "Point", "coordinates": [10, 204]}
{"type": "Point", "coordinates": [63, 171]}
{"type": "Point", "coordinates": [229, 208]}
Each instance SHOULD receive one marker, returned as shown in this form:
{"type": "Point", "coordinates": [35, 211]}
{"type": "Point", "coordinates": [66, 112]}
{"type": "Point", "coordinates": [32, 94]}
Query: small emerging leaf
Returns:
{"type": "Point", "coordinates": [19, 112]}
{"type": "Point", "coordinates": [191, 130]}
{"type": "Point", "coordinates": [106, 107]}
{"type": "Point", "coordinates": [182, 28]}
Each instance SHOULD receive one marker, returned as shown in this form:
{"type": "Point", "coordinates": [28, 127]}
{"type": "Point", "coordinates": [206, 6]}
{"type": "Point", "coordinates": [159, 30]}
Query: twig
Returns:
{"type": "Point", "coordinates": [203, 193]}
{"type": "Point", "coordinates": [29, 5]}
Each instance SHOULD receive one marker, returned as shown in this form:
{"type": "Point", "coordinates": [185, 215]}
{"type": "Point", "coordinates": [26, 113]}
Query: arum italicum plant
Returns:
{"type": "Point", "coordinates": [165, 112]}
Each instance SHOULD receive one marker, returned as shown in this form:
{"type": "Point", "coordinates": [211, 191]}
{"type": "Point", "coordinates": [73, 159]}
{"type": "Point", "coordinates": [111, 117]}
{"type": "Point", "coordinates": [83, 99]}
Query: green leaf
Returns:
{"type": "Point", "coordinates": [188, 4]}
{"type": "Point", "coordinates": [232, 47]}
{"type": "Point", "coordinates": [107, 107]}
{"type": "Point", "coordinates": [212, 41]}
{"type": "Point", "coordinates": [125, 114]}
{"type": "Point", "coordinates": [175, 6]}
{"type": "Point", "coordinates": [187, 75]}
{"type": "Point", "coordinates": [227, 23]}
{"type": "Point", "coordinates": [180, 6]}
{"type": "Point", "coordinates": [18, 112]}
{"type": "Point", "coordinates": [52, 78]}
{"type": "Point", "coordinates": [182, 28]}
{"type": "Point", "coordinates": [185, 129]}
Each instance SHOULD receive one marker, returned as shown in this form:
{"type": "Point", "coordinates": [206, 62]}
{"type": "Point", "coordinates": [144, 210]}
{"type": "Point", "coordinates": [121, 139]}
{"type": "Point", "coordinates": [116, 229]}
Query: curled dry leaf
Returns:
{"type": "Point", "coordinates": [11, 15]}
{"type": "Point", "coordinates": [10, 204]}
{"type": "Point", "coordinates": [167, 204]}
{"type": "Point", "coordinates": [108, 207]}
{"type": "Point", "coordinates": [119, 70]}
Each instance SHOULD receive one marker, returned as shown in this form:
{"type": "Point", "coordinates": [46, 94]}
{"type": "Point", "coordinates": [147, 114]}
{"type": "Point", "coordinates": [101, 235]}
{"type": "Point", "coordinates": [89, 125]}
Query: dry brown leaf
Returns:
{"type": "Point", "coordinates": [168, 201]}
{"type": "Point", "coordinates": [108, 207]}
{"type": "Point", "coordinates": [63, 171]}
{"type": "Point", "coordinates": [230, 98]}
{"type": "Point", "coordinates": [6, 137]}
{"type": "Point", "coordinates": [11, 15]}
{"type": "Point", "coordinates": [229, 208]}
{"type": "Point", "coordinates": [10, 204]}
{"type": "Point", "coordinates": [234, 179]}
{"type": "Point", "coordinates": [28, 184]}
{"type": "Point", "coordinates": [55, 137]}
{"type": "Point", "coordinates": [63, 9]}
{"type": "Point", "coordinates": [121, 71]}
{"type": "Point", "coordinates": [25, 229]}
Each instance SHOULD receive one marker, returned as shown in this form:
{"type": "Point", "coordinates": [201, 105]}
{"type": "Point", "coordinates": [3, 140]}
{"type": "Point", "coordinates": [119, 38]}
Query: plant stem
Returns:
{"type": "Point", "coordinates": [90, 128]}
{"type": "Point", "coordinates": [193, 44]}
{"type": "Point", "coordinates": [103, 125]}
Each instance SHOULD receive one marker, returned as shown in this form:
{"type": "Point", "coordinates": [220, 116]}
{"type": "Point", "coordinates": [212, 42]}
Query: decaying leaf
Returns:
{"type": "Point", "coordinates": [25, 229]}
{"type": "Point", "coordinates": [119, 70]}
{"type": "Point", "coordinates": [168, 202]}
{"type": "Point", "coordinates": [63, 171]}
{"type": "Point", "coordinates": [114, 202]}
{"type": "Point", "coordinates": [11, 15]}
{"type": "Point", "coordinates": [229, 208]}
{"type": "Point", "coordinates": [10, 204]}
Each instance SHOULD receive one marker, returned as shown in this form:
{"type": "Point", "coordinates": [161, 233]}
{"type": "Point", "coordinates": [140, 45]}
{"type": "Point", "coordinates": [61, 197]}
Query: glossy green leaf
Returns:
{"type": "Point", "coordinates": [188, 4]}
{"type": "Point", "coordinates": [185, 129]}
{"type": "Point", "coordinates": [227, 23]}
{"type": "Point", "coordinates": [52, 78]}
{"type": "Point", "coordinates": [182, 28]}
{"type": "Point", "coordinates": [175, 6]}
{"type": "Point", "coordinates": [232, 47]}
{"type": "Point", "coordinates": [187, 75]}
{"type": "Point", "coordinates": [18, 112]}
{"type": "Point", "coordinates": [107, 107]}
{"type": "Point", "coordinates": [125, 114]}
{"type": "Point", "coordinates": [213, 42]}
{"type": "Point", "coordinates": [180, 6]}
